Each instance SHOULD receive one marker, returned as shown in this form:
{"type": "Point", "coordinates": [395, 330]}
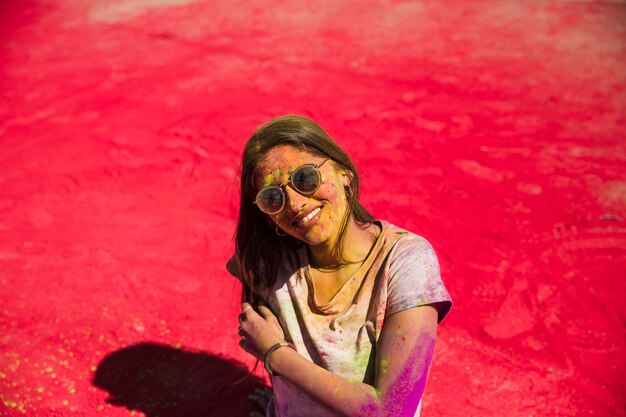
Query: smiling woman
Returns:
{"type": "Point", "coordinates": [342, 308]}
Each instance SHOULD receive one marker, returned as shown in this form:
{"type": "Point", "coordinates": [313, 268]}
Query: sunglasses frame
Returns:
{"type": "Point", "coordinates": [284, 184]}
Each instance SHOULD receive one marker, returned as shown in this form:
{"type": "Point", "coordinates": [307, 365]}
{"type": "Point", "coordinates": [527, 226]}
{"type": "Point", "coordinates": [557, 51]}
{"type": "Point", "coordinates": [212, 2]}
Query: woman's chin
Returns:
{"type": "Point", "coordinates": [312, 236]}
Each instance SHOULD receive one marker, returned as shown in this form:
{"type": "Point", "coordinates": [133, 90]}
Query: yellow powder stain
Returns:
{"type": "Point", "coordinates": [40, 389]}
{"type": "Point", "coordinates": [93, 368]}
{"type": "Point", "coordinates": [72, 390]}
{"type": "Point", "coordinates": [65, 402]}
{"type": "Point", "coordinates": [2, 375]}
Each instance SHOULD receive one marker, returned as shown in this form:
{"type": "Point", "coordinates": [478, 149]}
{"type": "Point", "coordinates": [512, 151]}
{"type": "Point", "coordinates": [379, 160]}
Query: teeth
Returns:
{"type": "Point", "coordinates": [309, 216]}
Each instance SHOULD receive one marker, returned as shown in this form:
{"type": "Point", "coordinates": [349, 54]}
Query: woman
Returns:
{"type": "Point", "coordinates": [342, 309]}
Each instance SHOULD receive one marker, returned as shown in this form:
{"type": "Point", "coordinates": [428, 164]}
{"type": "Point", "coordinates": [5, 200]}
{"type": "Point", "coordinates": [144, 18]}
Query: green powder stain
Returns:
{"type": "Point", "coordinates": [362, 359]}
{"type": "Point", "coordinates": [277, 172]}
{"type": "Point", "coordinates": [384, 364]}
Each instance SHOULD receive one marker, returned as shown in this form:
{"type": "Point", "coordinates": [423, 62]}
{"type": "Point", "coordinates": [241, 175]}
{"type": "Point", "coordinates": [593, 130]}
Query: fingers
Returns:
{"type": "Point", "coordinates": [247, 311]}
{"type": "Point", "coordinates": [244, 345]}
{"type": "Point", "coordinates": [268, 315]}
{"type": "Point", "coordinates": [266, 312]}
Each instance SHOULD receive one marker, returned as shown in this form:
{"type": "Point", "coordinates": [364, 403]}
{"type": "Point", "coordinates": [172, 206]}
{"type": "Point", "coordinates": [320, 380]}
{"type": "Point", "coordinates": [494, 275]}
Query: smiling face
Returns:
{"type": "Point", "coordinates": [315, 218]}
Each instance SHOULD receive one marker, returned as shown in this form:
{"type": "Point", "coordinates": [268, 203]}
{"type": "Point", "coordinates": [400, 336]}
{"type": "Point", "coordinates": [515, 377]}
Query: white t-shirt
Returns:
{"type": "Point", "coordinates": [400, 272]}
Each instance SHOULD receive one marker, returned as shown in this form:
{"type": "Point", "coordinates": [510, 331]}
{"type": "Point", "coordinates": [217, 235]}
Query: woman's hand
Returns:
{"type": "Point", "coordinates": [258, 331]}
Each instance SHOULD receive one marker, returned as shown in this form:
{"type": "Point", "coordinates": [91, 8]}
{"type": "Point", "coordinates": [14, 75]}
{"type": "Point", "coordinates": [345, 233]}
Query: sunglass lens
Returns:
{"type": "Point", "coordinates": [306, 179]}
{"type": "Point", "coordinates": [270, 199]}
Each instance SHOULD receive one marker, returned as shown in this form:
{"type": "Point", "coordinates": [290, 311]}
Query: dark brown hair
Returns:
{"type": "Point", "coordinates": [259, 248]}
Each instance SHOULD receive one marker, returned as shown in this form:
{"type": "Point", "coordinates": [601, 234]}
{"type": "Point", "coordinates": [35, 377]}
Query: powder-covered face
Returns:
{"type": "Point", "coordinates": [314, 218]}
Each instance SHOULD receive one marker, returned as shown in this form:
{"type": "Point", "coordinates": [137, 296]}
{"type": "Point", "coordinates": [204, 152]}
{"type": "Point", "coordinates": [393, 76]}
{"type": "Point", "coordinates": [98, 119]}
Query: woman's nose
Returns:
{"type": "Point", "coordinates": [295, 200]}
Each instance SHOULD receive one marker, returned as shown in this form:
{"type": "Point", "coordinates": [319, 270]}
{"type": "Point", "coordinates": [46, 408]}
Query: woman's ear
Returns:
{"type": "Point", "coordinates": [346, 178]}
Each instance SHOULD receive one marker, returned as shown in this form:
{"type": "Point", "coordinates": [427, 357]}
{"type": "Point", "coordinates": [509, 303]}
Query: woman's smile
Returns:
{"type": "Point", "coordinates": [308, 220]}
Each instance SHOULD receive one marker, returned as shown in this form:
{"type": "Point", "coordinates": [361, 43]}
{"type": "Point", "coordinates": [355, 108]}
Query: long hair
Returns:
{"type": "Point", "coordinates": [259, 249]}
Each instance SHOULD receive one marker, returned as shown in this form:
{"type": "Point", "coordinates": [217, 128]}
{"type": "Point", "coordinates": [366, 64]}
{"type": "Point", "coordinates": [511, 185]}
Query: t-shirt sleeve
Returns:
{"type": "Point", "coordinates": [415, 279]}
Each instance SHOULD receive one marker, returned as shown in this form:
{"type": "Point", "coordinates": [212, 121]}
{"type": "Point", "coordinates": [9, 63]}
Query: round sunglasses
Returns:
{"type": "Point", "coordinates": [306, 180]}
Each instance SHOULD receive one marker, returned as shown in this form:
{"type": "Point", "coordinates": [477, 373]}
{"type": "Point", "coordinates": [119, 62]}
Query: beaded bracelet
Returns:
{"type": "Point", "coordinates": [270, 351]}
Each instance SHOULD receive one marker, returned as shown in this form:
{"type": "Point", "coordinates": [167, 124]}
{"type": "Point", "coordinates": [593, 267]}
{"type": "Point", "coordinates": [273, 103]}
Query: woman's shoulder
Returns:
{"type": "Point", "coordinates": [403, 237]}
{"type": "Point", "coordinates": [404, 246]}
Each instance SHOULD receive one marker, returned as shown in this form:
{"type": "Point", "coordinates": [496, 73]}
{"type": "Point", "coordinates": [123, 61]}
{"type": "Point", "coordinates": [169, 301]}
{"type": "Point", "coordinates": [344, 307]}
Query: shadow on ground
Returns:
{"type": "Point", "coordinates": [162, 381]}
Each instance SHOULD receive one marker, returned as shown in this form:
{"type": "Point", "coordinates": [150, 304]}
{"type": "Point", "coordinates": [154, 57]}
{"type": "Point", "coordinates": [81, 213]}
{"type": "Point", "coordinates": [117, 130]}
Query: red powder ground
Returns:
{"type": "Point", "coordinates": [494, 129]}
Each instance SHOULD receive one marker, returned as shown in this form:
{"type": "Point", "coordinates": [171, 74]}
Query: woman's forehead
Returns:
{"type": "Point", "coordinates": [285, 155]}
{"type": "Point", "coordinates": [279, 162]}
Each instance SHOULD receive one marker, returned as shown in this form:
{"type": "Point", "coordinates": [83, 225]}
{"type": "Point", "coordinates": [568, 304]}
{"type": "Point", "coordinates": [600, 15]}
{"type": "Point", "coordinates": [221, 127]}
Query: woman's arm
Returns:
{"type": "Point", "coordinates": [404, 354]}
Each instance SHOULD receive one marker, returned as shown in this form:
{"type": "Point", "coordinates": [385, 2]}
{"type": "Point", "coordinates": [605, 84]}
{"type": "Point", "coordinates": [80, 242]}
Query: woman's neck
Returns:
{"type": "Point", "coordinates": [355, 246]}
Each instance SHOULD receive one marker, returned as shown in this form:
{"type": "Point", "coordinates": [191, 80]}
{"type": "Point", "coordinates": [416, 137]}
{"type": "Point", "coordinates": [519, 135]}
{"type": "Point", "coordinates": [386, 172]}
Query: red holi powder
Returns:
{"type": "Point", "coordinates": [494, 130]}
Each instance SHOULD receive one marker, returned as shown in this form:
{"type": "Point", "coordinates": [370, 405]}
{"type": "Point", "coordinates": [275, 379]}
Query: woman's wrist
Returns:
{"type": "Point", "coordinates": [270, 351]}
